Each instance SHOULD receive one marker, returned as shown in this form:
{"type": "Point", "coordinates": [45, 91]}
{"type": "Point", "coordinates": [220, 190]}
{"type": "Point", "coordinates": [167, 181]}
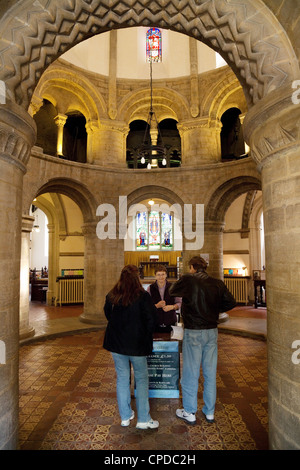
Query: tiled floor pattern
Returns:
{"type": "Point", "coordinates": [40, 311]}
{"type": "Point", "coordinates": [68, 400]}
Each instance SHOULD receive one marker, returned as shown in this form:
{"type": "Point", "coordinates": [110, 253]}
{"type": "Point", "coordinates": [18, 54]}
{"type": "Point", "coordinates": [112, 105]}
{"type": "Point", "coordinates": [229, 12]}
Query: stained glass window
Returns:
{"type": "Point", "coordinates": [166, 231]}
{"type": "Point", "coordinates": [154, 231]}
{"type": "Point", "coordinates": [153, 45]}
{"type": "Point", "coordinates": [142, 231]}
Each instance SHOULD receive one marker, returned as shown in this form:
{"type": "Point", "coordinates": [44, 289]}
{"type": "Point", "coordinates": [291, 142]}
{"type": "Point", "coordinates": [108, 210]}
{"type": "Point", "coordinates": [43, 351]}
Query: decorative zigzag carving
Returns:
{"type": "Point", "coordinates": [243, 31]}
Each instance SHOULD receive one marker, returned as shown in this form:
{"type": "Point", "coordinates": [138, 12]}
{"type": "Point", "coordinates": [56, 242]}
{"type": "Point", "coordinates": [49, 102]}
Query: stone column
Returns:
{"type": "Point", "coordinates": [272, 131]}
{"type": "Point", "coordinates": [194, 108]}
{"type": "Point", "coordinates": [213, 247]}
{"type": "Point", "coordinates": [92, 130]}
{"type": "Point", "coordinates": [26, 330]}
{"type": "Point", "coordinates": [212, 250]}
{"type": "Point", "coordinates": [60, 121]}
{"type": "Point", "coordinates": [255, 261]}
{"type": "Point", "coordinates": [112, 87]}
{"type": "Point", "coordinates": [53, 263]}
{"type": "Point", "coordinates": [200, 142]}
{"type": "Point", "coordinates": [110, 144]}
{"type": "Point", "coordinates": [17, 135]}
{"type": "Point", "coordinates": [103, 260]}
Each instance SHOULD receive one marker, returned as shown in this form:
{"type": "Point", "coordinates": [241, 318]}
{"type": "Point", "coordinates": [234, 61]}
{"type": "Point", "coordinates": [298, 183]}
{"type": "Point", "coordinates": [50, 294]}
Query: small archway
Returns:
{"type": "Point", "coordinates": [75, 138]}
{"type": "Point", "coordinates": [232, 139]}
{"type": "Point", "coordinates": [226, 193]}
{"type": "Point", "coordinates": [46, 128]}
{"type": "Point", "coordinates": [137, 135]}
{"type": "Point", "coordinates": [78, 192]}
{"type": "Point", "coordinates": [171, 139]}
{"type": "Point", "coordinates": [162, 198]}
{"type": "Point", "coordinates": [168, 137]}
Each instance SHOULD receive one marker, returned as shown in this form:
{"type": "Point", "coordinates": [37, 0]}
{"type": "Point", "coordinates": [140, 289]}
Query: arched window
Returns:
{"type": "Point", "coordinates": [75, 138]}
{"type": "Point", "coordinates": [232, 140]}
{"type": "Point", "coordinates": [168, 137]}
{"type": "Point", "coordinates": [154, 231]}
{"type": "Point", "coordinates": [46, 128]}
{"type": "Point", "coordinates": [153, 45]}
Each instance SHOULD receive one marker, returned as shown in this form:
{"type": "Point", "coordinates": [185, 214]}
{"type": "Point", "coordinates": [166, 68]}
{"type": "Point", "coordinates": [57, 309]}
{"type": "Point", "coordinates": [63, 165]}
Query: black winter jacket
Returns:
{"type": "Point", "coordinates": [203, 298]}
{"type": "Point", "coordinates": [129, 329]}
{"type": "Point", "coordinates": [166, 318]}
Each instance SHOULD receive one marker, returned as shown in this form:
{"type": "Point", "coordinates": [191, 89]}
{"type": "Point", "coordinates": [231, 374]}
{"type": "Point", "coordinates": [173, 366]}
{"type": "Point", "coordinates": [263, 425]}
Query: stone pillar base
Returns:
{"type": "Point", "coordinates": [26, 333]}
{"type": "Point", "coordinates": [93, 320]}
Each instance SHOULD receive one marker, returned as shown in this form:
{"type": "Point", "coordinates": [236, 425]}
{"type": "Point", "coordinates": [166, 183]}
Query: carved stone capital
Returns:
{"type": "Point", "coordinates": [212, 226]}
{"type": "Point", "coordinates": [60, 120]}
{"type": "Point", "coordinates": [89, 229]}
{"type": "Point", "coordinates": [35, 104]}
{"type": "Point", "coordinates": [113, 126]}
{"type": "Point", "coordinates": [192, 124]}
{"type": "Point", "coordinates": [27, 223]}
{"type": "Point", "coordinates": [273, 126]}
{"type": "Point", "coordinates": [17, 135]}
{"type": "Point", "coordinates": [92, 126]}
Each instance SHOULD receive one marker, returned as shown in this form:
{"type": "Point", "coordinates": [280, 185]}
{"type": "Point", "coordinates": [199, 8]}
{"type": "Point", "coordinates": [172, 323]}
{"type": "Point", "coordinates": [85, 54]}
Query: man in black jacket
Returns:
{"type": "Point", "coordinates": [203, 299]}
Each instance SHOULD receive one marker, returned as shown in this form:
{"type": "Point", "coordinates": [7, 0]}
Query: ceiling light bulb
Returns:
{"type": "Point", "coordinates": [151, 203]}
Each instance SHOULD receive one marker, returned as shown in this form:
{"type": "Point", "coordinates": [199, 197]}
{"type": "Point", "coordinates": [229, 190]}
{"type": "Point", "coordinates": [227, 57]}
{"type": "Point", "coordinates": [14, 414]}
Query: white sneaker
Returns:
{"type": "Point", "coordinates": [126, 422]}
{"type": "Point", "coordinates": [189, 418]}
{"type": "Point", "coordinates": [149, 425]}
{"type": "Point", "coordinates": [209, 418]}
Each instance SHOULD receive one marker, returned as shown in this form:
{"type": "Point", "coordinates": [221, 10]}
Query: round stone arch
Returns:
{"type": "Point", "coordinates": [78, 192]}
{"type": "Point", "coordinates": [89, 101]}
{"type": "Point", "coordinates": [245, 34]}
{"type": "Point", "coordinates": [224, 96]}
{"type": "Point", "coordinates": [168, 103]}
{"type": "Point", "coordinates": [53, 233]}
{"type": "Point", "coordinates": [82, 198]}
{"type": "Point", "coordinates": [225, 194]}
{"type": "Point", "coordinates": [153, 191]}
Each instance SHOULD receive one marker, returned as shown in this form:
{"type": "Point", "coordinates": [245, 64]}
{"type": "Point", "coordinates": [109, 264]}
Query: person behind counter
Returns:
{"type": "Point", "coordinates": [165, 304]}
{"type": "Point", "coordinates": [131, 317]}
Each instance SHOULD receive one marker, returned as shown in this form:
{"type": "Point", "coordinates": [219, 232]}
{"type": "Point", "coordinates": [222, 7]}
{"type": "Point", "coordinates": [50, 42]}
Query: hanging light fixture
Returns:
{"type": "Point", "coordinates": [150, 152]}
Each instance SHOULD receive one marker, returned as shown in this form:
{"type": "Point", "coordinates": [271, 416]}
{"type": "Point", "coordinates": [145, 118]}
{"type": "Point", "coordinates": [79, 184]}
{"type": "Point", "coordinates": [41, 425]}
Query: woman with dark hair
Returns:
{"type": "Point", "coordinates": [131, 317]}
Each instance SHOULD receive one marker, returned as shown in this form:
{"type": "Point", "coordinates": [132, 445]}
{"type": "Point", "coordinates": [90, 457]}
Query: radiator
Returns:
{"type": "Point", "coordinates": [70, 291]}
{"type": "Point", "coordinates": [238, 288]}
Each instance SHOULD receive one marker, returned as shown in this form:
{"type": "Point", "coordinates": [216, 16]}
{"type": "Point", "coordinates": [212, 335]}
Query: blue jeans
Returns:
{"type": "Point", "coordinates": [140, 368]}
{"type": "Point", "coordinates": [199, 348]}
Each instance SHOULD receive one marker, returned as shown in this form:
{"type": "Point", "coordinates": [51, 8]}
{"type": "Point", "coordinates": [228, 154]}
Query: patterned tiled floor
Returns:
{"type": "Point", "coordinates": [68, 400]}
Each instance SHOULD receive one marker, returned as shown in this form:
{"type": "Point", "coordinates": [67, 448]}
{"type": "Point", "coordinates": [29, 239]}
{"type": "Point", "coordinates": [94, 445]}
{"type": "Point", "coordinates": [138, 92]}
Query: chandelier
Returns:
{"type": "Point", "coordinates": [150, 152]}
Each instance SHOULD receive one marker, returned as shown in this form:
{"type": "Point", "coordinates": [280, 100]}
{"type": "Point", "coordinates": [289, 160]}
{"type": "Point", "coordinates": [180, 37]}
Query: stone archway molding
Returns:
{"type": "Point", "coordinates": [152, 192]}
{"type": "Point", "coordinates": [224, 196]}
{"type": "Point", "coordinates": [167, 102]}
{"type": "Point", "coordinates": [245, 33]}
{"type": "Point", "coordinates": [78, 192]}
{"type": "Point", "coordinates": [59, 78]}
